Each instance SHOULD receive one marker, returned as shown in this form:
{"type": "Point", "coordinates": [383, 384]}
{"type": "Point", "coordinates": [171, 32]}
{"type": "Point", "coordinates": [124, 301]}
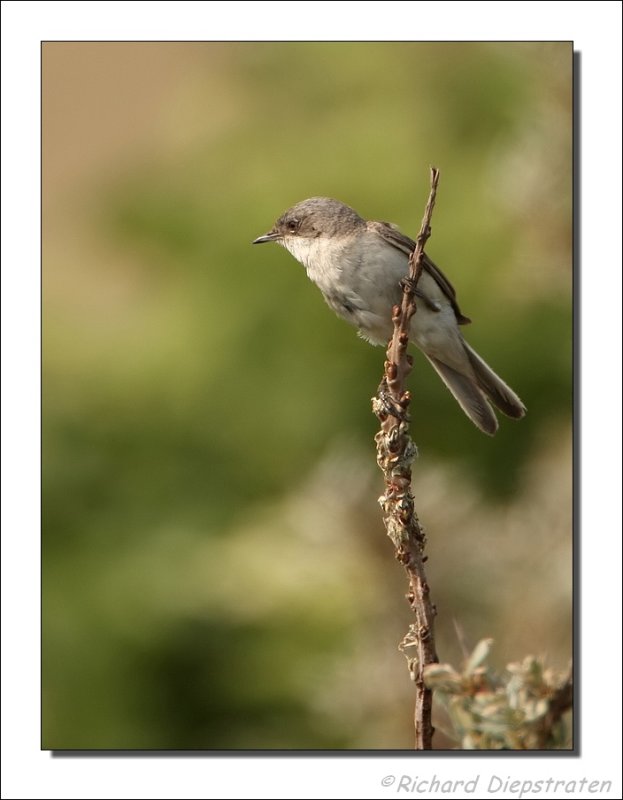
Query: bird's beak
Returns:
{"type": "Point", "coordinates": [271, 236]}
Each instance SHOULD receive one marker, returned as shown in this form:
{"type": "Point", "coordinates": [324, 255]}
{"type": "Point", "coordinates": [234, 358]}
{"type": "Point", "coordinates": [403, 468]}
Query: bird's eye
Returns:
{"type": "Point", "coordinates": [292, 224]}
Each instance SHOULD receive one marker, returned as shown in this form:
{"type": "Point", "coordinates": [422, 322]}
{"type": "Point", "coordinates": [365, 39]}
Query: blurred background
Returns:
{"type": "Point", "coordinates": [216, 572]}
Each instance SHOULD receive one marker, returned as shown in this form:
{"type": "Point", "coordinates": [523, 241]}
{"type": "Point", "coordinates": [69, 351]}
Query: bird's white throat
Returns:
{"type": "Point", "coordinates": [303, 249]}
{"type": "Point", "coordinates": [324, 257]}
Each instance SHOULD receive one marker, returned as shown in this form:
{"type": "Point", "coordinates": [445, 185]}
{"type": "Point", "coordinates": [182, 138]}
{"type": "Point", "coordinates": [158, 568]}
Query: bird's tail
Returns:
{"type": "Point", "coordinates": [501, 395]}
{"type": "Point", "coordinates": [474, 393]}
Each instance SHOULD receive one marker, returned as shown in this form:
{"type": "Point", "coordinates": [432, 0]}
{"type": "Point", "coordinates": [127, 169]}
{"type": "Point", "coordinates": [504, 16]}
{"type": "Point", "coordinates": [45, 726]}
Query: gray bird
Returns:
{"type": "Point", "coordinates": [358, 266]}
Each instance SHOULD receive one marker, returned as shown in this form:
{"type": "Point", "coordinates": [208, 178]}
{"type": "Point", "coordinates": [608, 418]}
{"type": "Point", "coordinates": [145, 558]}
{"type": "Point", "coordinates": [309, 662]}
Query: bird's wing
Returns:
{"type": "Point", "coordinates": [392, 235]}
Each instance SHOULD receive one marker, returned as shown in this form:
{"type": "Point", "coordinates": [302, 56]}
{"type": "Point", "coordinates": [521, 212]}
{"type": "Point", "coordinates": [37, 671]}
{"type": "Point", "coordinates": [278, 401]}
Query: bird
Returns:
{"type": "Point", "coordinates": [359, 266]}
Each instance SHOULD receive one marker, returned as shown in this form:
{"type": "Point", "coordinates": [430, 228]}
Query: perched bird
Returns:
{"type": "Point", "coordinates": [358, 266]}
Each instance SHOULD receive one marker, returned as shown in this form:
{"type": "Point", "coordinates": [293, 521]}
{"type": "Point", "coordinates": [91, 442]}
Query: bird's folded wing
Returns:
{"type": "Point", "coordinates": [392, 235]}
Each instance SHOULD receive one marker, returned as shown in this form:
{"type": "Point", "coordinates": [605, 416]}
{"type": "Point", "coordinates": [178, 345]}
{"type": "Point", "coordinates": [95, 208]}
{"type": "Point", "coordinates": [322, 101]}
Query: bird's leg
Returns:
{"type": "Point", "coordinates": [407, 284]}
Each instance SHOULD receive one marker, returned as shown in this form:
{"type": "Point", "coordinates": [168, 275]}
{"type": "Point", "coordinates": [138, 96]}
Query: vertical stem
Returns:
{"type": "Point", "coordinates": [395, 453]}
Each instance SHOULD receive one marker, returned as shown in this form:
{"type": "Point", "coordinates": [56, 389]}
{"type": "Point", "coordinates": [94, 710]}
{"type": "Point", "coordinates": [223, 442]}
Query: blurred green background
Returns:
{"type": "Point", "coordinates": [216, 572]}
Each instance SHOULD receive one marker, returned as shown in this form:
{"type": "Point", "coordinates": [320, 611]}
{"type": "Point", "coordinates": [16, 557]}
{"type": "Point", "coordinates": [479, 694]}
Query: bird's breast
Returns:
{"type": "Point", "coordinates": [360, 279]}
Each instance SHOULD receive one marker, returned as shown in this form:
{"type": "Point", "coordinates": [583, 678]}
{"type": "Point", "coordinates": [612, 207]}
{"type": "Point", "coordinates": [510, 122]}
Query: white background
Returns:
{"type": "Point", "coordinates": [595, 28]}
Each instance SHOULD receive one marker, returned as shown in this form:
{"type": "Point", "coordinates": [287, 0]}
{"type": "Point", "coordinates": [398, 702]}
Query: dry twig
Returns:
{"type": "Point", "coordinates": [395, 453]}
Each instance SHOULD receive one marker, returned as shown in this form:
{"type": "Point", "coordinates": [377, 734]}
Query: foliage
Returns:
{"type": "Point", "coordinates": [520, 710]}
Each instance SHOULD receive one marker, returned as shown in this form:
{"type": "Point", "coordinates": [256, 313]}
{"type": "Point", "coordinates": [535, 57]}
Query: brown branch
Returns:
{"type": "Point", "coordinates": [395, 453]}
